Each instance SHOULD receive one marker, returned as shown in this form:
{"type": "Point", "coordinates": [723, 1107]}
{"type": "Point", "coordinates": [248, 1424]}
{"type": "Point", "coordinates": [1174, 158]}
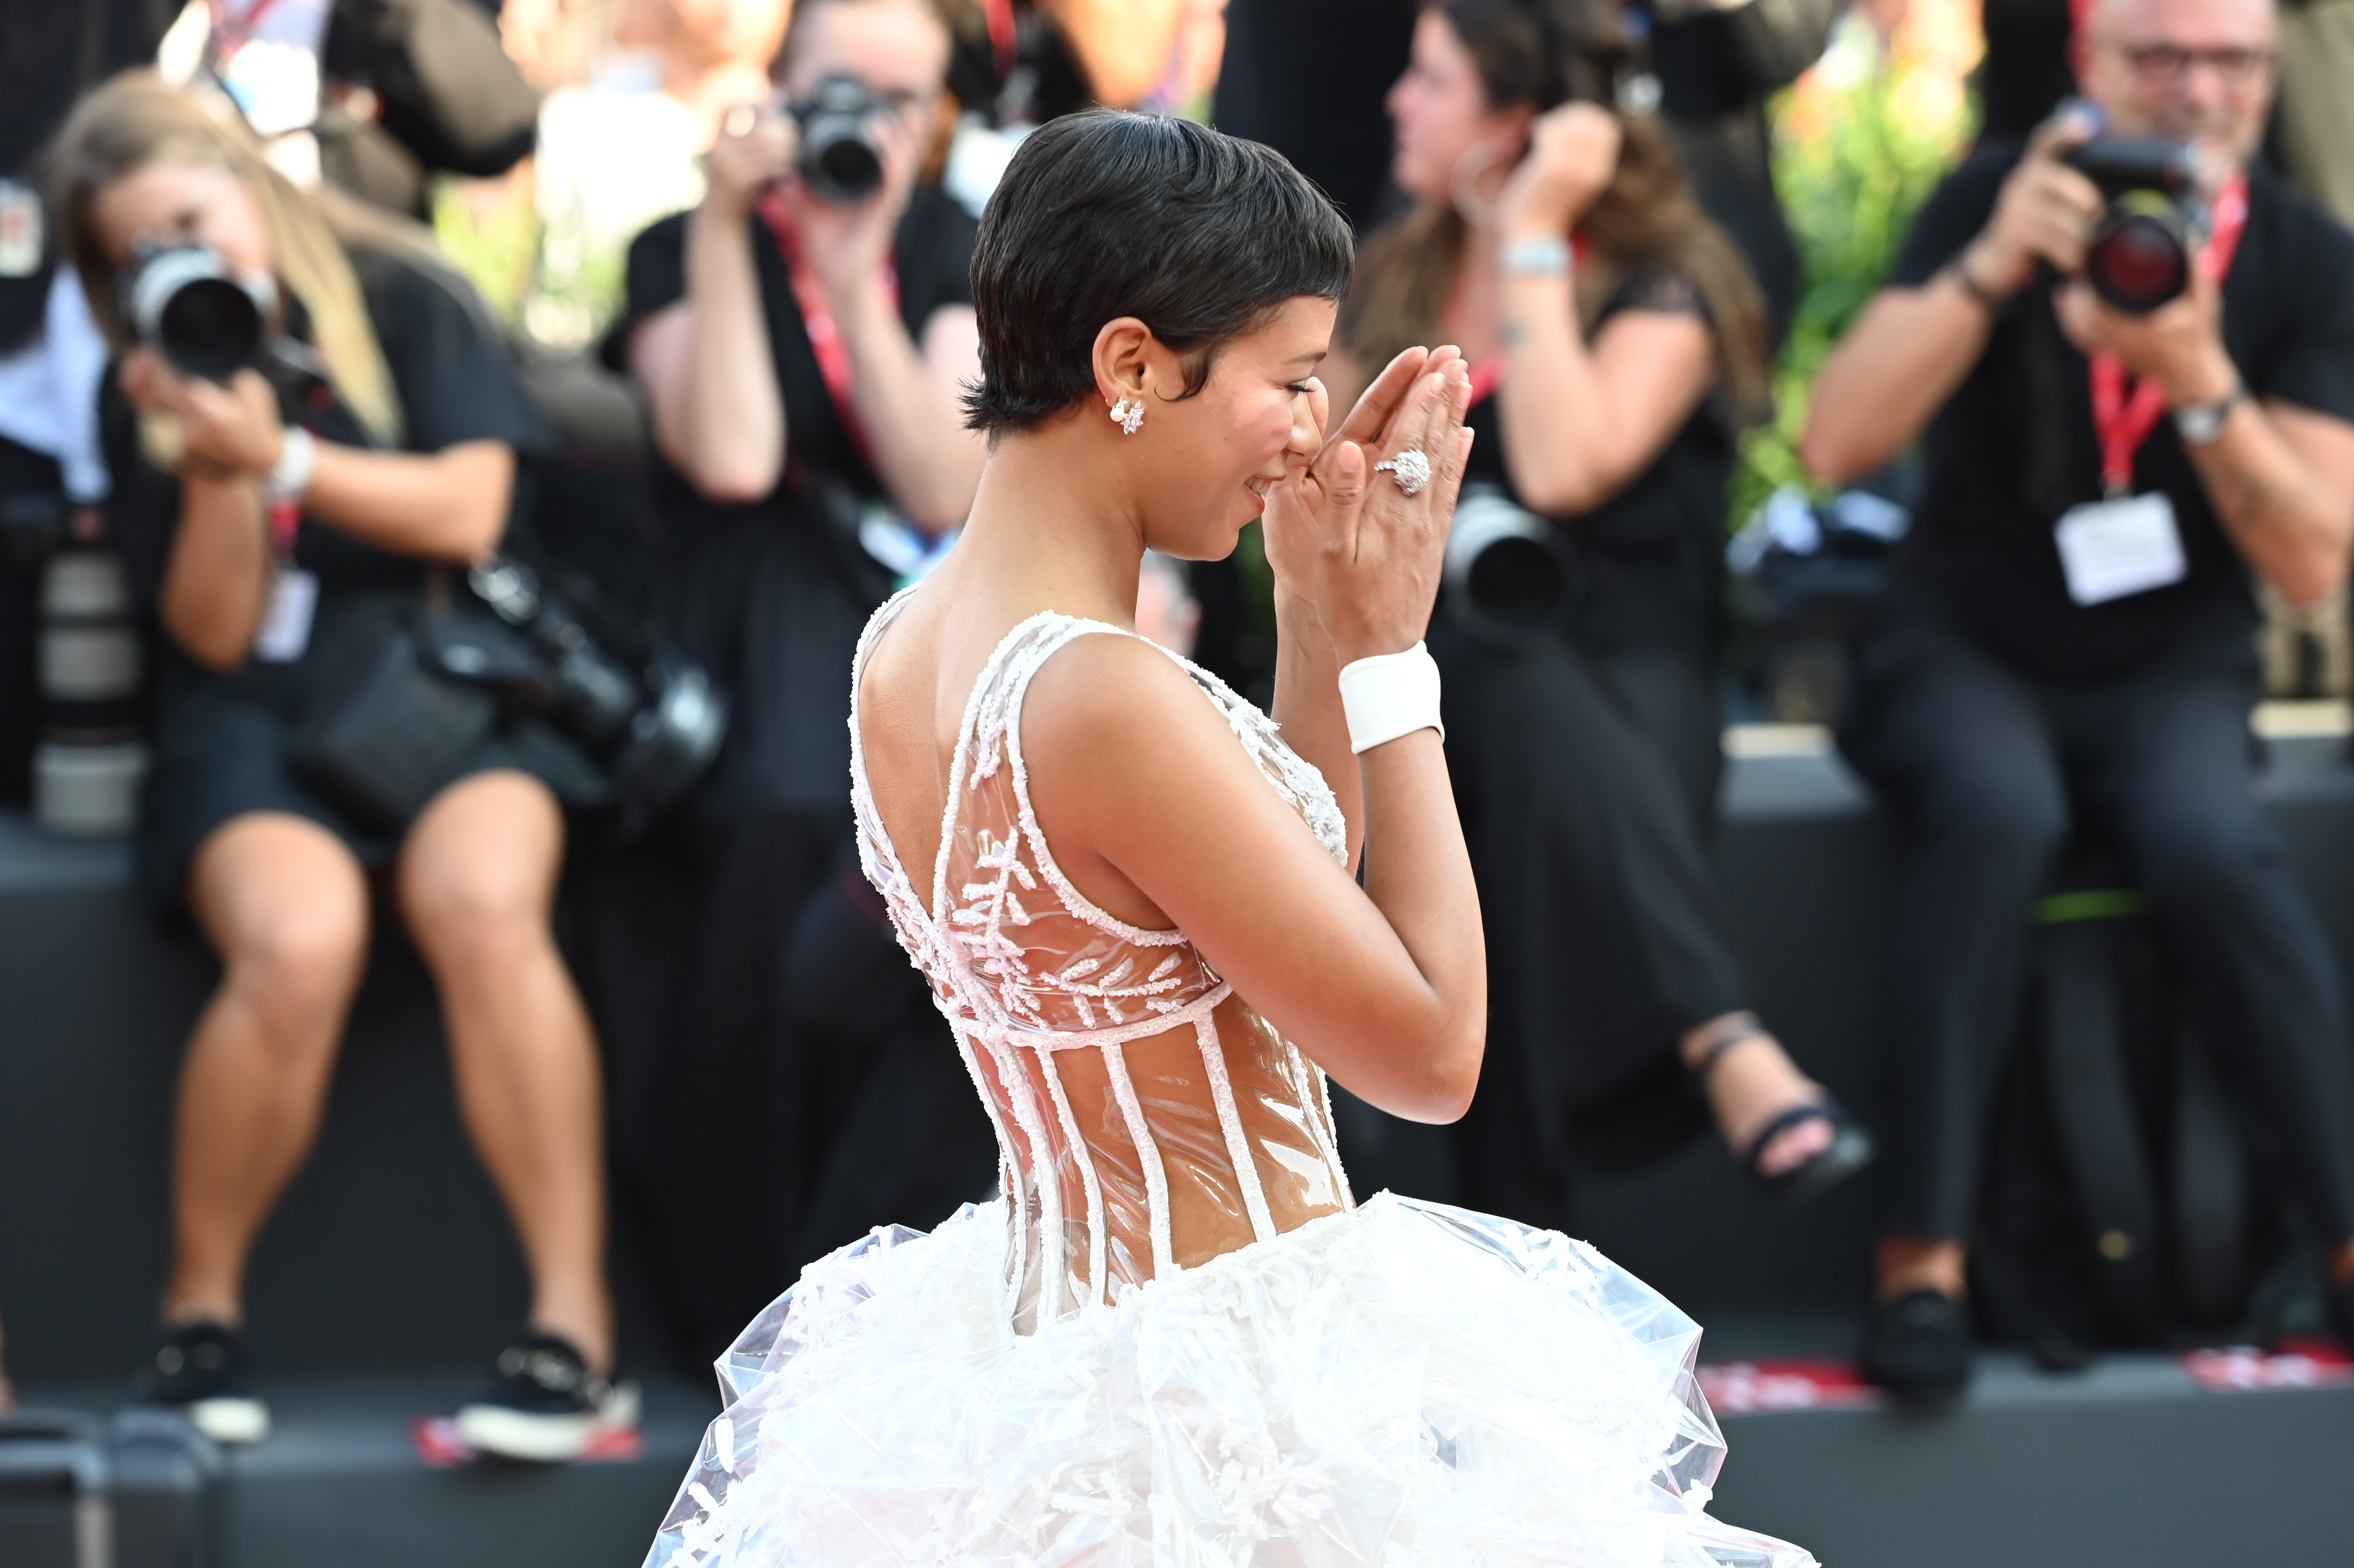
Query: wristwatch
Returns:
{"type": "Point", "coordinates": [2201, 424]}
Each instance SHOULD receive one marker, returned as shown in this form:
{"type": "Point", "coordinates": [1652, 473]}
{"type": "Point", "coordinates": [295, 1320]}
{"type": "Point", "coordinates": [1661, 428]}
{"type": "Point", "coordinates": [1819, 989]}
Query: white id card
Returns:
{"type": "Point", "coordinates": [2111, 549]}
{"type": "Point", "coordinates": [286, 619]}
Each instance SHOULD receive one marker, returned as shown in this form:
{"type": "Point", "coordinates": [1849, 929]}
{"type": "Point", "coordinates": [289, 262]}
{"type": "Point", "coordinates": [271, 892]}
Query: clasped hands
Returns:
{"type": "Point", "coordinates": [759, 149]}
{"type": "Point", "coordinates": [1352, 553]}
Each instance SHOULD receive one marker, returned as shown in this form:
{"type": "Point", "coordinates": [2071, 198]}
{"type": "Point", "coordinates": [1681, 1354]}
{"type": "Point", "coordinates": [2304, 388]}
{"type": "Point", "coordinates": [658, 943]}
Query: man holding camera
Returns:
{"type": "Point", "coordinates": [2068, 650]}
{"type": "Point", "coordinates": [800, 336]}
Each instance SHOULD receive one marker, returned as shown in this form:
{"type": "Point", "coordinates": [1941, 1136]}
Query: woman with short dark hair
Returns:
{"type": "Point", "coordinates": [1619, 346]}
{"type": "Point", "coordinates": [1175, 1335]}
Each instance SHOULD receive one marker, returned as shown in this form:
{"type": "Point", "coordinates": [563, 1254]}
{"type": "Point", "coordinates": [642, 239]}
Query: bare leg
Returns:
{"type": "Point", "coordinates": [476, 879]}
{"type": "Point", "coordinates": [285, 904]}
{"type": "Point", "coordinates": [1908, 1263]}
{"type": "Point", "coordinates": [1751, 1084]}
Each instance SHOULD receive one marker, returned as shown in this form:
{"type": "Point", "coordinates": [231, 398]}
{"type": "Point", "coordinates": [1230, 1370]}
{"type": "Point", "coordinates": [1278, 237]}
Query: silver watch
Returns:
{"type": "Point", "coordinates": [2201, 424]}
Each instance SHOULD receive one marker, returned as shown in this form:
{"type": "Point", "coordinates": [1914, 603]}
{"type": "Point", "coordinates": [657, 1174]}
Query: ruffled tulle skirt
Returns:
{"type": "Point", "coordinates": [1402, 1384]}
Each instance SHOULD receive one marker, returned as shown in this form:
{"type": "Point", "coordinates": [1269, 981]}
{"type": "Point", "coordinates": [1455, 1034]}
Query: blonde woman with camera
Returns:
{"type": "Point", "coordinates": [280, 558]}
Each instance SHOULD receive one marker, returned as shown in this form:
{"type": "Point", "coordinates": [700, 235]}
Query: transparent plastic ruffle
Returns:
{"type": "Point", "coordinates": [1400, 1385]}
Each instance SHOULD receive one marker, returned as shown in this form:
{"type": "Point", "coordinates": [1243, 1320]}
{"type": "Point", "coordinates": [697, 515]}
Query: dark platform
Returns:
{"type": "Point", "coordinates": [389, 1274]}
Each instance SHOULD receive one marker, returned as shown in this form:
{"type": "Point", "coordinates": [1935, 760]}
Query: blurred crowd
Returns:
{"type": "Point", "coordinates": [465, 442]}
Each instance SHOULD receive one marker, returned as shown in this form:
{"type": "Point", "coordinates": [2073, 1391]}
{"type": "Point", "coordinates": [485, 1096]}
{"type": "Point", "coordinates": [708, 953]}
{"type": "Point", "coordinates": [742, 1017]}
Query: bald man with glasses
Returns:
{"type": "Point", "coordinates": [2068, 652]}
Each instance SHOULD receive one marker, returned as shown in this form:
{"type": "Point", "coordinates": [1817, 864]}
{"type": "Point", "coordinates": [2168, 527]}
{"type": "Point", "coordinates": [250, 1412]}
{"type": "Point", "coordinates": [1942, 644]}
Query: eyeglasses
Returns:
{"type": "Point", "coordinates": [2168, 65]}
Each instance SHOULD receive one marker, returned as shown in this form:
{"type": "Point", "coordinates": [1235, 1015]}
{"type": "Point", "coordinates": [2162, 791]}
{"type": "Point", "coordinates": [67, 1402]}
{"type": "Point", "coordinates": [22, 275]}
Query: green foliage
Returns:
{"type": "Point", "coordinates": [1859, 143]}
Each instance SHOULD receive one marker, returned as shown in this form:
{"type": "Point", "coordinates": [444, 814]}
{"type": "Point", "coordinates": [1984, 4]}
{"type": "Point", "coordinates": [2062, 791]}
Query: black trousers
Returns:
{"type": "Point", "coordinates": [1993, 773]}
{"type": "Point", "coordinates": [1587, 781]}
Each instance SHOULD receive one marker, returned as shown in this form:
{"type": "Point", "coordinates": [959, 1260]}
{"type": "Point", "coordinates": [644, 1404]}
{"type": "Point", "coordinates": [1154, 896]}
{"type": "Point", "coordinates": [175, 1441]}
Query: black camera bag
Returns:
{"type": "Point", "coordinates": [399, 733]}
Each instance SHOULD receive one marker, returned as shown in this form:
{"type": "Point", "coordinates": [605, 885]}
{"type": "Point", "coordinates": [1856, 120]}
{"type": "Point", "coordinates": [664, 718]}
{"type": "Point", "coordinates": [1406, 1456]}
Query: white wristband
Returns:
{"type": "Point", "coordinates": [291, 480]}
{"type": "Point", "coordinates": [1389, 695]}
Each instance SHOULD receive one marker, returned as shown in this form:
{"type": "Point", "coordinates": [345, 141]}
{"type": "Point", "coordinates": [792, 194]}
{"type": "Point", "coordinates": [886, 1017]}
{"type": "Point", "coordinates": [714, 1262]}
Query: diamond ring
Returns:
{"type": "Point", "coordinates": [1410, 468]}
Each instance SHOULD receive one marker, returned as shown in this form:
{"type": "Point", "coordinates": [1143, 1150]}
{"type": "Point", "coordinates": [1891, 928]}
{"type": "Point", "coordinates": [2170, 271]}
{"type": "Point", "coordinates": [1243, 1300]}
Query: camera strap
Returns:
{"type": "Point", "coordinates": [2121, 418]}
{"type": "Point", "coordinates": [817, 319]}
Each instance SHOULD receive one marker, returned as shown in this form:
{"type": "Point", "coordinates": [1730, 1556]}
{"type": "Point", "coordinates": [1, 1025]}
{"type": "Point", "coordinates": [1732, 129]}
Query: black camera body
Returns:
{"type": "Point", "coordinates": [654, 722]}
{"type": "Point", "coordinates": [2147, 239]}
{"type": "Point", "coordinates": [183, 301]}
{"type": "Point", "coordinates": [840, 160]}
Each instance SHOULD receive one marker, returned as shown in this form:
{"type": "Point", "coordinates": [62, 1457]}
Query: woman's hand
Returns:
{"type": "Point", "coordinates": [757, 148]}
{"type": "Point", "coordinates": [1362, 555]}
{"type": "Point", "coordinates": [1573, 157]}
{"type": "Point", "coordinates": [227, 432]}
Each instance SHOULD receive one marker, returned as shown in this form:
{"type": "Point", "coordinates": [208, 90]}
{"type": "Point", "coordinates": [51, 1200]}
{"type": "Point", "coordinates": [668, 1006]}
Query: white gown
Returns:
{"type": "Point", "coordinates": [1174, 1340]}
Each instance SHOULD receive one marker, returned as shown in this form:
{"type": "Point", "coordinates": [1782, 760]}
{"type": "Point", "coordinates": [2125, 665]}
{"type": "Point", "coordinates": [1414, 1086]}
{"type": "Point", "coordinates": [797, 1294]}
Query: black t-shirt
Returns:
{"type": "Point", "coordinates": [2025, 73]}
{"type": "Point", "coordinates": [933, 257]}
{"type": "Point", "coordinates": [455, 384]}
{"type": "Point", "coordinates": [1650, 558]}
{"type": "Point", "coordinates": [2014, 447]}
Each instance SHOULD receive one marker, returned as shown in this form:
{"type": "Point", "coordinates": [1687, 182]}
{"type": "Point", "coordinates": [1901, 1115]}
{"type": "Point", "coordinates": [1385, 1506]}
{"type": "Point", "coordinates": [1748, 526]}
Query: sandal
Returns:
{"type": "Point", "coordinates": [1851, 1147]}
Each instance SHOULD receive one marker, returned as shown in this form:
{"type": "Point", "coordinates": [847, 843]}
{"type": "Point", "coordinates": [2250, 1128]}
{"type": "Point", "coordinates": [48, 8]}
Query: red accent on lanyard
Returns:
{"type": "Point", "coordinates": [1002, 39]}
{"type": "Point", "coordinates": [2124, 419]}
{"type": "Point", "coordinates": [817, 319]}
{"type": "Point", "coordinates": [1488, 373]}
{"type": "Point", "coordinates": [285, 523]}
{"type": "Point", "coordinates": [237, 31]}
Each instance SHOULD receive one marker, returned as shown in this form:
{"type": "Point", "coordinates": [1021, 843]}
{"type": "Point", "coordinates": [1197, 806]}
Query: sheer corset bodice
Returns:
{"type": "Point", "coordinates": [1147, 1118]}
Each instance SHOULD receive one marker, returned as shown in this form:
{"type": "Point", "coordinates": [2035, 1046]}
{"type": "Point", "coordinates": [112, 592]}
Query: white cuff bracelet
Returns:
{"type": "Point", "coordinates": [1389, 695]}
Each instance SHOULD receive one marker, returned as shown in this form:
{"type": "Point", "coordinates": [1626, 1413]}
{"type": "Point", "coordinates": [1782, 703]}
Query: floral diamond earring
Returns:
{"type": "Point", "coordinates": [1128, 413]}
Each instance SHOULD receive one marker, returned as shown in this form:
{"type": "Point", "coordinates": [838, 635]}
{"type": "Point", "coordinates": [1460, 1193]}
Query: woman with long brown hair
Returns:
{"type": "Point", "coordinates": [1618, 346]}
{"type": "Point", "coordinates": [284, 540]}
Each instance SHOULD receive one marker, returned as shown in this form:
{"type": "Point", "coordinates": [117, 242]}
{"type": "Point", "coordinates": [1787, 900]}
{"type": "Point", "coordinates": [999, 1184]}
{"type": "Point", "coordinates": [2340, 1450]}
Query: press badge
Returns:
{"type": "Point", "coordinates": [2111, 549]}
{"type": "Point", "coordinates": [286, 619]}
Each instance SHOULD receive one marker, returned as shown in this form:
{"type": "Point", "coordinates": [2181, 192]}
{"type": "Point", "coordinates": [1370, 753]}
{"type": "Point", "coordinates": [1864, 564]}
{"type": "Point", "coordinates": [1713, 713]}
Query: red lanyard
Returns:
{"type": "Point", "coordinates": [232, 33]}
{"type": "Point", "coordinates": [285, 523]}
{"type": "Point", "coordinates": [1003, 41]}
{"type": "Point", "coordinates": [817, 319]}
{"type": "Point", "coordinates": [2124, 419]}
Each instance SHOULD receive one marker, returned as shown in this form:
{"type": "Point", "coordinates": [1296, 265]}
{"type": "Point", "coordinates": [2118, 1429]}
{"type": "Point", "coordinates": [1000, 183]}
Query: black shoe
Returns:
{"type": "Point", "coordinates": [1918, 1344]}
{"type": "Point", "coordinates": [544, 1405]}
{"type": "Point", "coordinates": [201, 1369]}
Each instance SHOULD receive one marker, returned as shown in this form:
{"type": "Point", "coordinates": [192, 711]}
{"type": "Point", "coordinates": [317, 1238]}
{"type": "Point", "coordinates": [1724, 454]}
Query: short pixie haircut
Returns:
{"type": "Point", "coordinates": [1201, 236]}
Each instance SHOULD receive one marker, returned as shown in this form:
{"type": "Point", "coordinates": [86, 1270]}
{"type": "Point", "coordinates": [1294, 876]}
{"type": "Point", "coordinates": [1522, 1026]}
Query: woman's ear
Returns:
{"type": "Point", "coordinates": [1123, 359]}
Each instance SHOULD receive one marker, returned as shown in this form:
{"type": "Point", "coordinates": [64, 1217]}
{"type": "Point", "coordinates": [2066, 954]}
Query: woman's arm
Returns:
{"type": "Point", "coordinates": [907, 402]}
{"type": "Point", "coordinates": [1160, 816]}
{"type": "Point", "coordinates": [705, 361]}
{"type": "Point", "coordinates": [1581, 423]}
{"type": "Point", "coordinates": [448, 506]}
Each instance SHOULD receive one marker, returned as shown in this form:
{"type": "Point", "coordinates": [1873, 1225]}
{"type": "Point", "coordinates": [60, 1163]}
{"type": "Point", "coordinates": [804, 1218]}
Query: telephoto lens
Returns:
{"type": "Point", "coordinates": [840, 161]}
{"type": "Point", "coordinates": [1509, 572]}
{"type": "Point", "coordinates": [2140, 254]}
{"type": "Point", "coordinates": [183, 301]}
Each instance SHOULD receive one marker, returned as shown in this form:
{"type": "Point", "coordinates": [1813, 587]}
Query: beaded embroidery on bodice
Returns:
{"type": "Point", "coordinates": [1147, 1118]}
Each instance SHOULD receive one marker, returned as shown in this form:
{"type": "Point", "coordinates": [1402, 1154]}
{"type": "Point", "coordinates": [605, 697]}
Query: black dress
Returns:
{"type": "Point", "coordinates": [1586, 761]}
{"type": "Point", "coordinates": [222, 738]}
{"type": "Point", "coordinates": [714, 952]}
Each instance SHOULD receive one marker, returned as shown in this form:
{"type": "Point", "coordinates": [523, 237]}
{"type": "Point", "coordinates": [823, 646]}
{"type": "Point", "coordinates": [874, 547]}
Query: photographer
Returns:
{"type": "Point", "coordinates": [2069, 648]}
{"type": "Point", "coordinates": [1558, 242]}
{"type": "Point", "coordinates": [280, 558]}
{"type": "Point", "coordinates": [802, 346]}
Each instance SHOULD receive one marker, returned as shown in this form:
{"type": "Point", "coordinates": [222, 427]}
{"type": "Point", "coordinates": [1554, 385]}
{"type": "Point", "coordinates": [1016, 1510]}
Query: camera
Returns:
{"type": "Point", "coordinates": [653, 722]}
{"type": "Point", "coordinates": [840, 160]}
{"type": "Point", "coordinates": [183, 301]}
{"type": "Point", "coordinates": [1509, 572]}
{"type": "Point", "coordinates": [2147, 239]}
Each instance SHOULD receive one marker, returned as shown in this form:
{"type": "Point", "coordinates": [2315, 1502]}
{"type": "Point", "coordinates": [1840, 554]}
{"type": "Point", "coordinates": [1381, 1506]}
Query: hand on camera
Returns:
{"type": "Point", "coordinates": [757, 148]}
{"type": "Point", "coordinates": [2045, 213]}
{"type": "Point", "coordinates": [2180, 344]}
{"type": "Point", "coordinates": [1573, 157]}
{"type": "Point", "coordinates": [227, 432]}
{"type": "Point", "coordinates": [1347, 541]}
{"type": "Point", "coordinates": [849, 242]}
